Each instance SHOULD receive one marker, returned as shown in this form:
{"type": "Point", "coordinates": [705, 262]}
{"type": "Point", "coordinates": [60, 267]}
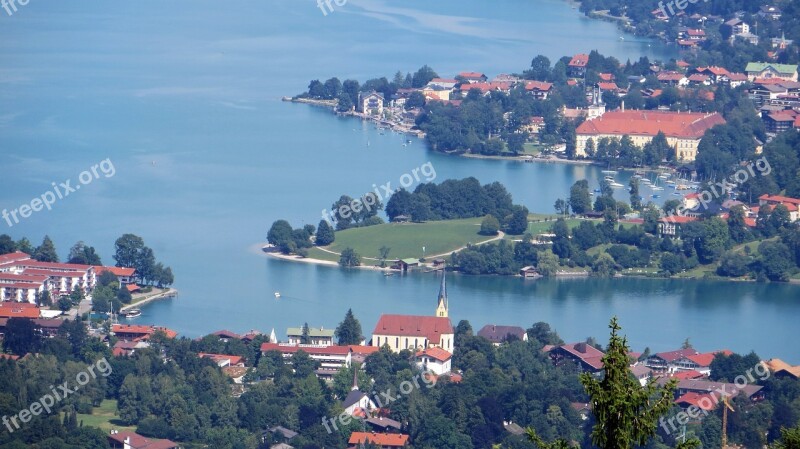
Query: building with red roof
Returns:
{"type": "Point", "coordinates": [436, 360]}
{"type": "Point", "coordinates": [124, 275]}
{"type": "Point", "coordinates": [473, 77]}
{"type": "Point", "coordinates": [382, 440]}
{"type": "Point", "coordinates": [331, 358]}
{"type": "Point", "coordinates": [132, 440]}
{"type": "Point", "coordinates": [539, 89]}
{"type": "Point", "coordinates": [415, 332]}
{"type": "Point", "coordinates": [576, 67]}
{"type": "Point", "coordinates": [792, 204]}
{"type": "Point", "coordinates": [683, 130]}
{"type": "Point", "coordinates": [223, 360]}
{"type": "Point", "coordinates": [10, 309]}
{"type": "Point", "coordinates": [139, 332]}
{"type": "Point", "coordinates": [587, 357]}
{"type": "Point", "coordinates": [703, 401]}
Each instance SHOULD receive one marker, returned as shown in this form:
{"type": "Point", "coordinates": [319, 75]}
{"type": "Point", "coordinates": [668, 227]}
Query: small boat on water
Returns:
{"type": "Point", "coordinates": [387, 274]}
{"type": "Point", "coordinates": [609, 172]}
{"type": "Point", "coordinates": [277, 294]}
{"type": "Point", "coordinates": [132, 313]}
{"type": "Point", "coordinates": [616, 185]}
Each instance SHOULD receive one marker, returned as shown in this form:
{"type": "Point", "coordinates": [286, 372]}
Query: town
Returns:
{"type": "Point", "coordinates": [427, 343]}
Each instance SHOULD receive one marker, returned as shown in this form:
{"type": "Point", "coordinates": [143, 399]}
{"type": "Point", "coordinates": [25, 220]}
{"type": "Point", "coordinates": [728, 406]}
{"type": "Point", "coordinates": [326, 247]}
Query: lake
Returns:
{"type": "Point", "coordinates": [183, 98]}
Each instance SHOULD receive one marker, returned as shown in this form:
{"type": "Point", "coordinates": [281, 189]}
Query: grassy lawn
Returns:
{"type": "Point", "coordinates": [405, 239]}
{"type": "Point", "coordinates": [104, 417]}
{"type": "Point", "coordinates": [532, 148]}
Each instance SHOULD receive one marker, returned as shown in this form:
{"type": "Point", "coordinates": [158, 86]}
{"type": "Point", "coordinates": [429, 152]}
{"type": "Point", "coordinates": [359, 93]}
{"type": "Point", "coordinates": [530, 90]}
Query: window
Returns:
{"type": "Point", "coordinates": [397, 342]}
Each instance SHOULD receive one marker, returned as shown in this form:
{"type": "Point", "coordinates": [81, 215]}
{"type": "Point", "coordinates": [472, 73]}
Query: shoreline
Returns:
{"type": "Point", "coordinates": [402, 129]}
{"type": "Point", "coordinates": [168, 293]}
{"type": "Point", "coordinates": [565, 275]}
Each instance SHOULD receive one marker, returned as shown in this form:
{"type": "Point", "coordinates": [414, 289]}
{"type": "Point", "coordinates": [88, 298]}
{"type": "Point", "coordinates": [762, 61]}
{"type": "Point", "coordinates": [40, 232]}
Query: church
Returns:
{"type": "Point", "coordinates": [417, 332]}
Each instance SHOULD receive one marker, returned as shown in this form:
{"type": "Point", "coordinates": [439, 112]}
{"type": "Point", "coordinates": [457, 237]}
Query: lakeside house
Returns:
{"type": "Point", "coordinates": [371, 103]}
{"type": "Point", "coordinates": [317, 336]}
{"type": "Point", "coordinates": [24, 279]}
{"type": "Point", "coordinates": [129, 332]}
{"type": "Point", "coordinates": [415, 332]}
{"type": "Point", "coordinates": [683, 130]}
{"type": "Point", "coordinates": [498, 335]}
{"type": "Point", "coordinates": [587, 357]}
{"type": "Point", "coordinates": [331, 358]}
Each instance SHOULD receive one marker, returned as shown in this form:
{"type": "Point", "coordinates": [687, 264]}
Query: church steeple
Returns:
{"type": "Point", "coordinates": [355, 377]}
{"type": "Point", "coordinates": [442, 305]}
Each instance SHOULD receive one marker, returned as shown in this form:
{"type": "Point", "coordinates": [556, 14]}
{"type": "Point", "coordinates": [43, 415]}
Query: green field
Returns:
{"type": "Point", "coordinates": [104, 417]}
{"type": "Point", "coordinates": [405, 239]}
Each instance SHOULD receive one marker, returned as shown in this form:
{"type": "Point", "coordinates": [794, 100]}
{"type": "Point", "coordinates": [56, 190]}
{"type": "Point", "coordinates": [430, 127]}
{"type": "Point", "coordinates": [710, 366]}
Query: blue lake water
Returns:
{"type": "Point", "coordinates": [183, 98]}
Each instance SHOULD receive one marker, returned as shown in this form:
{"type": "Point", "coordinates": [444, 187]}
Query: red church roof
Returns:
{"type": "Point", "coordinates": [430, 327]}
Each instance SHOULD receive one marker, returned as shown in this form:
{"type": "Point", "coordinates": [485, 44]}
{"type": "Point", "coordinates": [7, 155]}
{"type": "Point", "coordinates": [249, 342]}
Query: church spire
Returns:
{"type": "Point", "coordinates": [442, 305]}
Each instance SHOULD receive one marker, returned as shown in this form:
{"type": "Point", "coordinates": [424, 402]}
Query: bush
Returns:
{"type": "Point", "coordinates": [489, 226]}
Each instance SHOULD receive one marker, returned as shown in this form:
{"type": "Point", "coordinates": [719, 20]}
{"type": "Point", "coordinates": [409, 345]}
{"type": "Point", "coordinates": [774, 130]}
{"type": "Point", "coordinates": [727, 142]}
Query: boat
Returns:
{"type": "Point", "coordinates": [388, 274]}
{"type": "Point", "coordinates": [616, 185]}
{"type": "Point", "coordinates": [655, 196]}
{"type": "Point", "coordinates": [277, 294]}
{"type": "Point", "coordinates": [132, 313]}
{"type": "Point", "coordinates": [671, 182]}
{"type": "Point", "coordinates": [664, 176]}
{"type": "Point", "coordinates": [657, 188]}
{"type": "Point", "coordinates": [609, 172]}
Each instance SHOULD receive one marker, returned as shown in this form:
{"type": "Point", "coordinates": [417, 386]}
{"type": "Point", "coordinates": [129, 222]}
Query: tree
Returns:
{"type": "Point", "coordinates": [714, 240]}
{"type": "Point", "coordinates": [64, 303]}
{"type": "Point", "coordinates": [626, 412]}
{"type": "Point", "coordinates": [83, 255]}
{"type": "Point", "coordinates": [790, 439]}
{"type": "Point", "coordinates": [24, 245]}
{"type": "Point", "coordinates": [7, 244]}
{"type": "Point", "coordinates": [540, 68]}
{"type": "Point", "coordinates": [579, 199]}
{"type": "Point", "coordinates": [345, 104]}
{"type": "Point", "coordinates": [46, 252]}
{"type": "Point", "coordinates": [636, 199]}
{"type": "Point", "coordinates": [349, 330]}
{"type": "Point", "coordinates": [518, 223]}
{"type": "Point", "coordinates": [325, 234]}
{"type": "Point", "coordinates": [279, 233]}
{"type": "Point", "coordinates": [383, 252]}
{"type": "Point", "coordinates": [547, 264]}
{"type": "Point", "coordinates": [349, 258]}
{"type": "Point", "coordinates": [604, 265]}
{"type": "Point", "coordinates": [775, 261]}
{"type": "Point", "coordinates": [305, 338]}
{"type": "Point", "coordinates": [423, 76]}
{"type": "Point", "coordinates": [561, 207]}
{"type": "Point", "coordinates": [489, 226]}
{"type": "Point", "coordinates": [21, 336]}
